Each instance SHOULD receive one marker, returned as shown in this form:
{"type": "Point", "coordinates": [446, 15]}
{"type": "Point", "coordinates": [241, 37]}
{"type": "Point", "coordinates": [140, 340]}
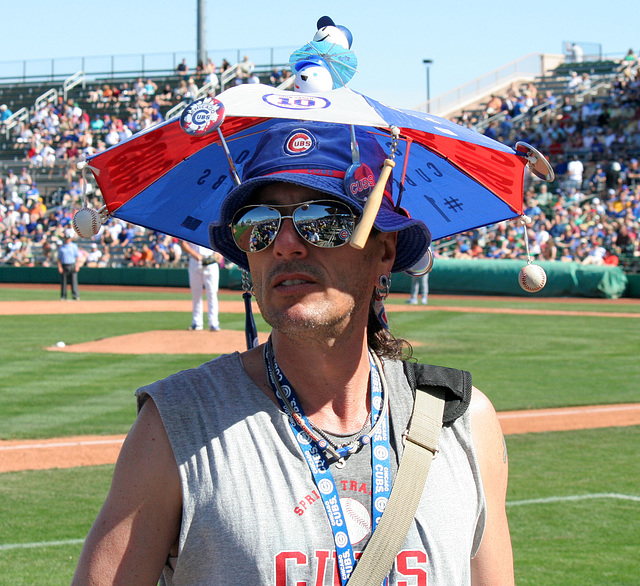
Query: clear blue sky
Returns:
{"type": "Point", "coordinates": [464, 39]}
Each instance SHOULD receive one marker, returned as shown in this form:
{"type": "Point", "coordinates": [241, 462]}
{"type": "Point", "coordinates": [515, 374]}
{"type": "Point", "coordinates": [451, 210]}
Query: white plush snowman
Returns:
{"type": "Point", "coordinates": [312, 76]}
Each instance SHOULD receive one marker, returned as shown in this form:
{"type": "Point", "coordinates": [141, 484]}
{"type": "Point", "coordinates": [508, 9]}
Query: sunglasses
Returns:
{"type": "Point", "coordinates": [326, 224]}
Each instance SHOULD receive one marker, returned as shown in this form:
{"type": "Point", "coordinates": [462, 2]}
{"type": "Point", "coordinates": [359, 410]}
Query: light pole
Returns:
{"type": "Point", "coordinates": [428, 62]}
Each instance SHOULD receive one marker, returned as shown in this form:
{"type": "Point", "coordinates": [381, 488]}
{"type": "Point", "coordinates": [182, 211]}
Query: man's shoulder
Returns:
{"type": "Point", "coordinates": [456, 385]}
{"type": "Point", "coordinates": [221, 368]}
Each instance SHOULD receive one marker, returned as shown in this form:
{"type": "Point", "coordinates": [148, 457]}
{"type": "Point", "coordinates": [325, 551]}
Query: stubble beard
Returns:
{"type": "Point", "coordinates": [325, 317]}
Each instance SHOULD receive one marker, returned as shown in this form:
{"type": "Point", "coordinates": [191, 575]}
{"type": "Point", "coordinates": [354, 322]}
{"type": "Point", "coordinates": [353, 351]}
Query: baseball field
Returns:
{"type": "Point", "coordinates": [573, 366]}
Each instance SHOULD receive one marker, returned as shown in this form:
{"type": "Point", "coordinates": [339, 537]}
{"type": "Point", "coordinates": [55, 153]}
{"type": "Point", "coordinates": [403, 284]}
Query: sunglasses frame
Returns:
{"type": "Point", "coordinates": [296, 207]}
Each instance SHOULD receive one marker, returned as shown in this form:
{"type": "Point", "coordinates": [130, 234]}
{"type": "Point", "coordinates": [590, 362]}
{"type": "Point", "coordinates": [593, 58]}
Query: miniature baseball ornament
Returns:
{"type": "Point", "coordinates": [87, 222]}
{"type": "Point", "coordinates": [532, 278]}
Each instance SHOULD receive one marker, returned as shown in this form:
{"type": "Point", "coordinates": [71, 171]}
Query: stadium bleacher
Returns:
{"type": "Point", "coordinates": [547, 113]}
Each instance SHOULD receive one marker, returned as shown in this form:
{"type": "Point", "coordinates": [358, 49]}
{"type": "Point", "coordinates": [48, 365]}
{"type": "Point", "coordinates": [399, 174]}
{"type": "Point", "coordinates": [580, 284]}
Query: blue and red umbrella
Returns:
{"type": "Point", "coordinates": [449, 176]}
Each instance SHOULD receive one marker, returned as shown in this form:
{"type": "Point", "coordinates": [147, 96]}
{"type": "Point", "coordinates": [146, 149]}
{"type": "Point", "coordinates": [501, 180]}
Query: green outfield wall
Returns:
{"type": "Point", "coordinates": [449, 276]}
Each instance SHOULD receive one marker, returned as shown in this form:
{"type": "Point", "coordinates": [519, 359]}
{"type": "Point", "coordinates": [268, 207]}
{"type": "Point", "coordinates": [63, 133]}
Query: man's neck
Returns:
{"type": "Point", "coordinates": [331, 380]}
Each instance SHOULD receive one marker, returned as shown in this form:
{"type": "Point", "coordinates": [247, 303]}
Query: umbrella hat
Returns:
{"type": "Point", "coordinates": [451, 178]}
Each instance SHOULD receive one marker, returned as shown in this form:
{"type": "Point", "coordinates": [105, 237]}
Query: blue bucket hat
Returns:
{"type": "Point", "coordinates": [317, 155]}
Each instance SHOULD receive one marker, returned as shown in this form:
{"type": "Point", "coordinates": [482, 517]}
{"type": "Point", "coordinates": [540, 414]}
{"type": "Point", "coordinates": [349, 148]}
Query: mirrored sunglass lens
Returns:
{"type": "Point", "coordinates": [326, 225]}
{"type": "Point", "coordinates": [255, 228]}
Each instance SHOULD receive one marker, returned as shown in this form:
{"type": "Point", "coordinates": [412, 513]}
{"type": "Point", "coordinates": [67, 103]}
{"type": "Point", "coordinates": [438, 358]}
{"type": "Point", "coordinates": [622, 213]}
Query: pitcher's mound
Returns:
{"type": "Point", "coordinates": [166, 342]}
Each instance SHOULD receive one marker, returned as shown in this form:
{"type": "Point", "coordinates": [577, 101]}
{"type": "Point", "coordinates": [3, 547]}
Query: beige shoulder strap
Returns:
{"type": "Point", "coordinates": [420, 447]}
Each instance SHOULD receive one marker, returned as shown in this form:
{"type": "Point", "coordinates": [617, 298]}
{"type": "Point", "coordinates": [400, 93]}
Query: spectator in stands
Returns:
{"type": "Point", "coordinates": [105, 259]}
{"type": "Point", "coordinates": [275, 78]}
{"type": "Point", "coordinates": [126, 236]}
{"type": "Point", "coordinates": [596, 252]}
{"type": "Point", "coordinates": [630, 58]}
{"type": "Point", "coordinates": [11, 182]}
{"type": "Point", "coordinates": [183, 69]}
{"type": "Point", "coordinates": [94, 256]}
{"type": "Point", "coordinates": [160, 255]}
{"type": "Point", "coordinates": [112, 137]}
{"type": "Point", "coordinates": [24, 179]}
{"type": "Point", "coordinates": [199, 70]}
{"type": "Point", "coordinates": [612, 174]}
{"type": "Point", "coordinates": [575, 170]}
{"type": "Point", "coordinates": [461, 251]}
{"type": "Point", "coordinates": [107, 96]}
{"type": "Point", "coordinates": [97, 123]}
{"type": "Point", "coordinates": [5, 114]}
{"type": "Point", "coordinates": [146, 256]}
{"type": "Point", "coordinates": [246, 67]}
{"type": "Point", "coordinates": [209, 67]}
{"type": "Point", "coordinates": [192, 90]}
{"type": "Point", "coordinates": [126, 94]}
{"type": "Point", "coordinates": [494, 105]}
{"type": "Point", "coordinates": [181, 91]}
{"type": "Point", "coordinates": [165, 97]}
{"type": "Point", "coordinates": [174, 251]}
{"type": "Point", "coordinates": [150, 89]}
{"type": "Point", "coordinates": [576, 54]}
{"type": "Point", "coordinates": [632, 175]}
{"type": "Point", "coordinates": [574, 83]}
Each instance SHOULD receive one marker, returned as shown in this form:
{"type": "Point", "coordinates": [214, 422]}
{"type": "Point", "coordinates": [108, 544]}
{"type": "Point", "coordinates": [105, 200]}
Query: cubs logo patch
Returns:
{"type": "Point", "coordinates": [202, 117]}
{"type": "Point", "coordinates": [299, 142]}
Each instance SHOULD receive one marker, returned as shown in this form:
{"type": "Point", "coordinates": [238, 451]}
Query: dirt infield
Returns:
{"type": "Point", "coordinates": [71, 452]}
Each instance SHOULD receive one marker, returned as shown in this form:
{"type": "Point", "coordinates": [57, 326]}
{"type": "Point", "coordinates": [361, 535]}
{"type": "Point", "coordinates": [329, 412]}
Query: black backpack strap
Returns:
{"type": "Point", "coordinates": [455, 383]}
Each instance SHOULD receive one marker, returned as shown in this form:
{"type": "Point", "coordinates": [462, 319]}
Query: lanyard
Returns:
{"type": "Point", "coordinates": [315, 449]}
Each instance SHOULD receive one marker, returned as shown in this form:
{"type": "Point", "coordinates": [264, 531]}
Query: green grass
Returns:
{"type": "Point", "coordinates": [520, 361]}
{"type": "Point", "coordinates": [563, 543]}
{"type": "Point", "coordinates": [575, 542]}
{"type": "Point", "coordinates": [532, 361]}
{"type": "Point", "coordinates": [46, 515]}
{"type": "Point", "coordinates": [50, 394]}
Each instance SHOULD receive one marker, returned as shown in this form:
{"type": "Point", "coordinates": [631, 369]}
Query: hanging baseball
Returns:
{"type": "Point", "coordinates": [532, 278]}
{"type": "Point", "coordinates": [86, 222]}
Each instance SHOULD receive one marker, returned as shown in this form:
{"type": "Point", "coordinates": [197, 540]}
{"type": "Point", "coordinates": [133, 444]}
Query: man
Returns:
{"type": "Point", "coordinates": [246, 67]}
{"type": "Point", "coordinates": [236, 498]}
{"type": "Point", "coordinates": [69, 261]}
{"type": "Point", "coordinates": [575, 169]}
{"type": "Point", "coordinates": [204, 273]}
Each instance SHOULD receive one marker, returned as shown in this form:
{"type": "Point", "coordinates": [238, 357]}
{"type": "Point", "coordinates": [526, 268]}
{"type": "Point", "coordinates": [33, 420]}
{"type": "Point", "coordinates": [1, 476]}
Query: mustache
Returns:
{"type": "Point", "coordinates": [294, 267]}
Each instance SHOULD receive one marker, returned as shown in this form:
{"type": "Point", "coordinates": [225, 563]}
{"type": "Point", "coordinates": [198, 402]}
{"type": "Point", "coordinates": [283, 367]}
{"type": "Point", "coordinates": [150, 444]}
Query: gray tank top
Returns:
{"type": "Point", "coordinates": [252, 513]}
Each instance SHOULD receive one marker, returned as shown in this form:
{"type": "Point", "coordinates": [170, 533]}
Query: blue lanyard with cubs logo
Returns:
{"type": "Point", "coordinates": [314, 449]}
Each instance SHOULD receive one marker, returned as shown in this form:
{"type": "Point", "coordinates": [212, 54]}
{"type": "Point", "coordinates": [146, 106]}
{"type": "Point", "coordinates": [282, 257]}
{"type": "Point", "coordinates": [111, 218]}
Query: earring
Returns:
{"type": "Point", "coordinates": [382, 291]}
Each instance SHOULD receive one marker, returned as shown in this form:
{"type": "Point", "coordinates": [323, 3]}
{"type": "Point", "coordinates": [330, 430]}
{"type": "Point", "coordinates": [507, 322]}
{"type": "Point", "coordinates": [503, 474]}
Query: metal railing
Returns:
{"type": "Point", "coordinates": [71, 82]}
{"type": "Point", "coordinates": [544, 108]}
{"type": "Point", "coordinates": [525, 69]}
{"type": "Point", "coordinates": [130, 66]}
{"type": "Point", "coordinates": [46, 98]}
